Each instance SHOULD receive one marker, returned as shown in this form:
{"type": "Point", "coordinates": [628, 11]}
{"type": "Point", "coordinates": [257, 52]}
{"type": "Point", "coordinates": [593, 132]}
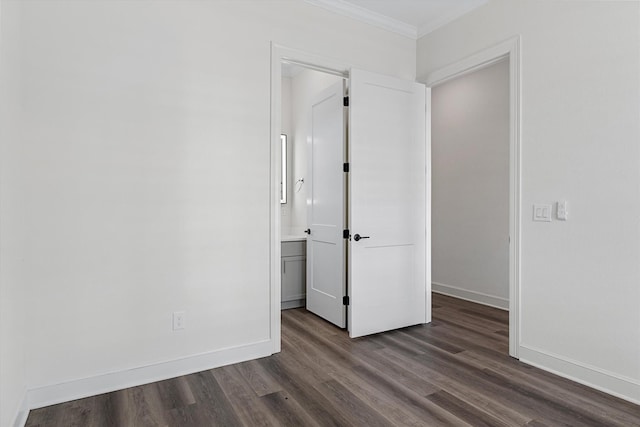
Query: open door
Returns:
{"type": "Point", "coordinates": [326, 277]}
{"type": "Point", "coordinates": [388, 222]}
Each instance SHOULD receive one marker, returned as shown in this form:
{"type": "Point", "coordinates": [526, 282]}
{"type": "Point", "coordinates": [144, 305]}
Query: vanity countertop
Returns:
{"type": "Point", "coordinates": [293, 238]}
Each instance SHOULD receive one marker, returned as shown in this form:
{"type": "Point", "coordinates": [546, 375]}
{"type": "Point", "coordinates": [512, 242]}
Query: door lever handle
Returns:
{"type": "Point", "coordinates": [308, 231]}
{"type": "Point", "coordinates": [357, 237]}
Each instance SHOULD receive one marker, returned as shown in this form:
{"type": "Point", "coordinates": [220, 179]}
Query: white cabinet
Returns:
{"type": "Point", "coordinates": [293, 266]}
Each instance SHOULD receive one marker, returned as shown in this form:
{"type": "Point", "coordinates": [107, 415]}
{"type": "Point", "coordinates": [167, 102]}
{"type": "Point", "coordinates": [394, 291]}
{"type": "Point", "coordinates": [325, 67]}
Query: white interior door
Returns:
{"type": "Point", "coordinates": [388, 178]}
{"type": "Point", "coordinates": [326, 276]}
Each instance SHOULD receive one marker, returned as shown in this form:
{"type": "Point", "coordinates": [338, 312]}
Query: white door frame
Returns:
{"type": "Point", "coordinates": [507, 49]}
{"type": "Point", "coordinates": [280, 54]}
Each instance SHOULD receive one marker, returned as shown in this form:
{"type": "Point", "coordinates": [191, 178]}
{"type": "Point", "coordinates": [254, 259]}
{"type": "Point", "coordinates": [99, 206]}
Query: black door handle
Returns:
{"type": "Point", "coordinates": [308, 231]}
{"type": "Point", "coordinates": [357, 237]}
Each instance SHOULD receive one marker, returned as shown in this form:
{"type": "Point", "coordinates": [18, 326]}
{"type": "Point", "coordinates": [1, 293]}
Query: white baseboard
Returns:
{"type": "Point", "coordinates": [600, 379]}
{"type": "Point", "coordinates": [465, 294]}
{"type": "Point", "coordinates": [285, 305]}
{"type": "Point", "coordinates": [85, 387]}
{"type": "Point", "coordinates": [23, 411]}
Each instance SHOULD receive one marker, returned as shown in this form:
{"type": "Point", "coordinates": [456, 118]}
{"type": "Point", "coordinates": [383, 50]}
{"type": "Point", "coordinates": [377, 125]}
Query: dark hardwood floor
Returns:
{"type": "Point", "coordinates": [454, 372]}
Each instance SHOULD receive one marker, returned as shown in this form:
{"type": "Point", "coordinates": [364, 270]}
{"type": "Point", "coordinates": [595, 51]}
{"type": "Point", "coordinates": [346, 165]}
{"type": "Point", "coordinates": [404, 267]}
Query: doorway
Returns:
{"type": "Point", "coordinates": [387, 209]}
{"type": "Point", "coordinates": [470, 191]}
{"type": "Point", "coordinates": [314, 215]}
{"type": "Point", "coordinates": [478, 219]}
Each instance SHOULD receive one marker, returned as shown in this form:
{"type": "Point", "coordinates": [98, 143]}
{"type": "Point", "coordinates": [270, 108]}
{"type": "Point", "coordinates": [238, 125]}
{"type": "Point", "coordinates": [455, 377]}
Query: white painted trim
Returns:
{"type": "Point", "coordinates": [286, 305]}
{"type": "Point", "coordinates": [467, 295]}
{"type": "Point", "coordinates": [471, 63]}
{"type": "Point", "coordinates": [23, 411]}
{"type": "Point", "coordinates": [281, 54]}
{"type": "Point", "coordinates": [85, 387]}
{"type": "Point", "coordinates": [367, 16]}
{"type": "Point", "coordinates": [599, 379]}
{"type": "Point", "coordinates": [515, 189]}
{"type": "Point", "coordinates": [441, 21]}
{"type": "Point", "coordinates": [275, 221]}
{"type": "Point", "coordinates": [428, 187]}
{"type": "Point", "coordinates": [507, 49]}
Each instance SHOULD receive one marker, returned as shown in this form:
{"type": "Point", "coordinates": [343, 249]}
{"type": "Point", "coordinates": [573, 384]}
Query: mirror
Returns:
{"type": "Point", "coordinates": [283, 177]}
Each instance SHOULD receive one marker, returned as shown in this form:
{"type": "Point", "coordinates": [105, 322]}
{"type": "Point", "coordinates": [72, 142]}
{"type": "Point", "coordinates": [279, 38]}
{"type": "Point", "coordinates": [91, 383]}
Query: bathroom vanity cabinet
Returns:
{"type": "Point", "coordinates": [293, 267]}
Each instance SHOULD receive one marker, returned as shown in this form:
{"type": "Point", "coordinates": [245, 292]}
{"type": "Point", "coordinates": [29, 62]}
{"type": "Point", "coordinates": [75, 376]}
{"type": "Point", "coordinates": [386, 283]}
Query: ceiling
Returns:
{"type": "Point", "coordinates": [291, 70]}
{"type": "Point", "coordinates": [411, 18]}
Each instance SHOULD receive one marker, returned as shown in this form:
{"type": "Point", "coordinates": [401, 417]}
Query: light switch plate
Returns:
{"type": "Point", "coordinates": [542, 213]}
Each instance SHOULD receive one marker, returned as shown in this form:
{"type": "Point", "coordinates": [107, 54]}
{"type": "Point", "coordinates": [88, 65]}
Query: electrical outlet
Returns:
{"type": "Point", "coordinates": [179, 318]}
{"type": "Point", "coordinates": [562, 211]}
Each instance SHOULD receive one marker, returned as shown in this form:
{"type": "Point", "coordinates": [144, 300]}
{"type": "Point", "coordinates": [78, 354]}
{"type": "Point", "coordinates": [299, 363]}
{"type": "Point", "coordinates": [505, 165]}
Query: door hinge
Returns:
{"type": "Point", "coordinates": [345, 300]}
{"type": "Point", "coordinates": [345, 234]}
{"type": "Point", "coordinates": [345, 167]}
{"type": "Point", "coordinates": [345, 101]}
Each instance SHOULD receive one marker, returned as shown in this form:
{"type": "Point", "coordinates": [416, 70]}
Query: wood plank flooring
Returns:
{"type": "Point", "coordinates": [453, 372]}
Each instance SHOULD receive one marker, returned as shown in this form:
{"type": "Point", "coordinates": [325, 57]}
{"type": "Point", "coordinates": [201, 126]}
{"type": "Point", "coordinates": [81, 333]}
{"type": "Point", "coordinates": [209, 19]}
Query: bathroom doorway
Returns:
{"type": "Point", "coordinates": [312, 219]}
{"type": "Point", "coordinates": [387, 261]}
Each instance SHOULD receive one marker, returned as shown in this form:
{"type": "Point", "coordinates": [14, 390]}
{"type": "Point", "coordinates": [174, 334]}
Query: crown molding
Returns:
{"type": "Point", "coordinates": [443, 20]}
{"type": "Point", "coordinates": [367, 16]}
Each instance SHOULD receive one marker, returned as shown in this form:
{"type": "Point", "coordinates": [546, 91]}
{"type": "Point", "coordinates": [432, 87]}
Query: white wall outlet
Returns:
{"type": "Point", "coordinates": [562, 210]}
{"type": "Point", "coordinates": [179, 319]}
{"type": "Point", "coordinates": [542, 213]}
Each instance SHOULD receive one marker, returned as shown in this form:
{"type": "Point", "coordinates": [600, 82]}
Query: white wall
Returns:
{"type": "Point", "coordinates": [580, 133]}
{"type": "Point", "coordinates": [304, 87]}
{"type": "Point", "coordinates": [287, 129]}
{"type": "Point", "coordinates": [143, 180]}
{"type": "Point", "coordinates": [140, 181]}
{"type": "Point", "coordinates": [470, 186]}
{"type": "Point", "coordinates": [13, 380]}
